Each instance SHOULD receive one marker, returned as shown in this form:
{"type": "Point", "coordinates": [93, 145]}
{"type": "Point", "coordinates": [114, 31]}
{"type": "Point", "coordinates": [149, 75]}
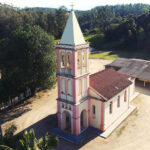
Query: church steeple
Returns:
{"type": "Point", "coordinates": [72, 34]}
{"type": "Point", "coordinates": [72, 77]}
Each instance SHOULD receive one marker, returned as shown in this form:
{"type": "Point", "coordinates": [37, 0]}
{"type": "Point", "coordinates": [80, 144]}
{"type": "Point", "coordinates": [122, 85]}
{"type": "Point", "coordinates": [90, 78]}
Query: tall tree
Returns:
{"type": "Point", "coordinates": [61, 18]}
{"type": "Point", "coordinates": [28, 60]}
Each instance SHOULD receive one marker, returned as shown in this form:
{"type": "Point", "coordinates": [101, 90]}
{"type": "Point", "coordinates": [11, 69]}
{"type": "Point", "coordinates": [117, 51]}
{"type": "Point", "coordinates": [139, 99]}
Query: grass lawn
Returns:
{"type": "Point", "coordinates": [112, 55]}
{"type": "Point", "coordinates": [104, 55]}
{"type": "Point", "coordinates": [88, 37]}
{"type": "Point", "coordinates": [108, 53]}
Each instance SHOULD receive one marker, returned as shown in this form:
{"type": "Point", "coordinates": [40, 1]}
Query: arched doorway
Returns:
{"type": "Point", "coordinates": [66, 121]}
{"type": "Point", "coordinates": [83, 120]}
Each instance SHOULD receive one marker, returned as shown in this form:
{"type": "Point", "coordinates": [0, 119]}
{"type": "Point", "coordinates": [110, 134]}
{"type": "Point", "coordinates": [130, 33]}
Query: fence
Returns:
{"type": "Point", "coordinates": [16, 99]}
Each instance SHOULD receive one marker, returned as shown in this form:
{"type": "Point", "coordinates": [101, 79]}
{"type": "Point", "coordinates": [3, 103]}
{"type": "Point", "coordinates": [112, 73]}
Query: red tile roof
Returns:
{"type": "Point", "coordinates": [126, 75]}
{"type": "Point", "coordinates": [108, 83]}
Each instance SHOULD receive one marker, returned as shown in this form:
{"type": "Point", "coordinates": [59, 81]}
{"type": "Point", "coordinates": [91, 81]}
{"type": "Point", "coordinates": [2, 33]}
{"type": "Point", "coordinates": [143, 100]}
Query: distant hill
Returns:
{"type": "Point", "coordinates": [49, 9]}
{"type": "Point", "coordinates": [100, 16]}
{"type": "Point", "coordinates": [40, 8]}
{"type": "Point", "coordinates": [123, 27]}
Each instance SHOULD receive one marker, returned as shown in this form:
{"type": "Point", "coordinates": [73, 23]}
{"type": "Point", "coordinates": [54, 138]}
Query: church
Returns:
{"type": "Point", "coordinates": [87, 100]}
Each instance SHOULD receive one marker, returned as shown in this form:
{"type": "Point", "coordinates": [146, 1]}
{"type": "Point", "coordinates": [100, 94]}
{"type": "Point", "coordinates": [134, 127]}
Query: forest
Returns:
{"type": "Point", "coordinates": [120, 27]}
{"type": "Point", "coordinates": [28, 36]}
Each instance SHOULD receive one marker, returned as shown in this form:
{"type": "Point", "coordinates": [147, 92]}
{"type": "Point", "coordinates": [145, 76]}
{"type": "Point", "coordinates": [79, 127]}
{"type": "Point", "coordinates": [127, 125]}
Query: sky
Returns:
{"type": "Point", "coordinates": [78, 4]}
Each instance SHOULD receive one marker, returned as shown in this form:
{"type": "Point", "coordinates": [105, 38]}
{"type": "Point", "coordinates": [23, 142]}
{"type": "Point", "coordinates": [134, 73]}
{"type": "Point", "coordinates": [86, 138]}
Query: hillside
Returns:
{"type": "Point", "coordinates": [120, 27]}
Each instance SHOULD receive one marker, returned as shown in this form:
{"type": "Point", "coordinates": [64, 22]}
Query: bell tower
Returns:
{"type": "Point", "coordinates": [72, 78]}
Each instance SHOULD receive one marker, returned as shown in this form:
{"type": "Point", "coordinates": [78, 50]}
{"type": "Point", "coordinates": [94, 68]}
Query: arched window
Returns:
{"type": "Point", "coordinates": [118, 101]}
{"type": "Point", "coordinates": [62, 86]}
{"type": "Point", "coordinates": [110, 107]}
{"type": "Point", "coordinates": [62, 60]}
{"type": "Point", "coordinates": [80, 87]}
{"type": "Point", "coordinates": [93, 109]}
{"type": "Point", "coordinates": [84, 58]}
{"type": "Point", "coordinates": [69, 88]}
{"type": "Point", "coordinates": [84, 85]}
{"type": "Point", "coordinates": [69, 107]}
{"type": "Point", "coordinates": [79, 60]}
{"type": "Point", "coordinates": [125, 96]}
{"type": "Point", "coordinates": [66, 106]}
{"type": "Point", "coordinates": [69, 61]}
{"type": "Point", "coordinates": [62, 105]}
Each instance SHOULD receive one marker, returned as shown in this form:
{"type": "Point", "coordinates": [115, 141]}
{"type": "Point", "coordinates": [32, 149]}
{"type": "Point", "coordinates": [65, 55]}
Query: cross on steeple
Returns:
{"type": "Point", "coordinates": [72, 5]}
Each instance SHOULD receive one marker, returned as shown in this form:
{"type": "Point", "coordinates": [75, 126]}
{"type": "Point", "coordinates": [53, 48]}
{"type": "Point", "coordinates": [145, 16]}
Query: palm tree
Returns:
{"type": "Point", "coordinates": [30, 142]}
{"type": "Point", "coordinates": [4, 147]}
{"type": "Point", "coordinates": [46, 142]}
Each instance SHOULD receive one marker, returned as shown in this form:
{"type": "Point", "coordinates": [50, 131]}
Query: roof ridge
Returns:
{"type": "Point", "coordinates": [101, 71]}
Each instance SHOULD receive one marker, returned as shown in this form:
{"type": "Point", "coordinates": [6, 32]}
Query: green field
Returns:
{"type": "Point", "coordinates": [104, 55]}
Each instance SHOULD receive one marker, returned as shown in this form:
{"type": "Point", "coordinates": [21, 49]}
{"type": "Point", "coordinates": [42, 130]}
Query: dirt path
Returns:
{"type": "Point", "coordinates": [132, 134]}
{"type": "Point", "coordinates": [39, 107]}
{"type": "Point", "coordinates": [40, 113]}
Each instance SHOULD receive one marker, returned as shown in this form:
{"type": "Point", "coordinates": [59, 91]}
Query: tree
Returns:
{"type": "Point", "coordinates": [28, 60]}
{"type": "Point", "coordinates": [30, 142]}
{"type": "Point", "coordinates": [61, 18]}
{"type": "Point", "coordinates": [8, 139]}
{"type": "Point", "coordinates": [4, 147]}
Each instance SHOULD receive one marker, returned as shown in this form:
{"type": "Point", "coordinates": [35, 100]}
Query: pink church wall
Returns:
{"type": "Point", "coordinates": [89, 103]}
{"type": "Point", "coordinates": [74, 90]}
{"type": "Point", "coordinates": [59, 114]}
{"type": "Point", "coordinates": [76, 109]}
{"type": "Point", "coordinates": [59, 86]}
{"type": "Point", "coordinates": [76, 120]}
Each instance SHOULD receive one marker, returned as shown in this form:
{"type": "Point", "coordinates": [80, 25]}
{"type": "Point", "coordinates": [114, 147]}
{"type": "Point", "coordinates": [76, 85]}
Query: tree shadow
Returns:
{"type": "Point", "coordinates": [15, 112]}
{"type": "Point", "coordinates": [43, 126]}
{"type": "Point", "coordinates": [50, 122]}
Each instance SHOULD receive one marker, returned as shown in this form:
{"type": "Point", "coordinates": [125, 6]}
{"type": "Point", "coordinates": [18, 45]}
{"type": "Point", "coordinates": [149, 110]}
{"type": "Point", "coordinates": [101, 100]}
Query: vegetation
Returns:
{"type": "Point", "coordinates": [8, 138]}
{"type": "Point", "coordinates": [53, 22]}
{"type": "Point", "coordinates": [27, 141]}
{"type": "Point", "coordinates": [27, 60]}
{"type": "Point", "coordinates": [120, 27]}
{"type": "Point", "coordinates": [27, 49]}
{"type": "Point", "coordinates": [27, 46]}
{"type": "Point", "coordinates": [103, 55]}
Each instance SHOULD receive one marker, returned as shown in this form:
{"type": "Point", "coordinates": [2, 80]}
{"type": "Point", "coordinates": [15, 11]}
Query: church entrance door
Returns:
{"type": "Point", "coordinates": [66, 121]}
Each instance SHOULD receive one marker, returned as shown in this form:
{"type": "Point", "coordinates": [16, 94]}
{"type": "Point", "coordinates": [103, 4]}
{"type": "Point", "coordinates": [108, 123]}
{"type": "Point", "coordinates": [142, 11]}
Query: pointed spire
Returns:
{"type": "Point", "coordinates": [72, 34]}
